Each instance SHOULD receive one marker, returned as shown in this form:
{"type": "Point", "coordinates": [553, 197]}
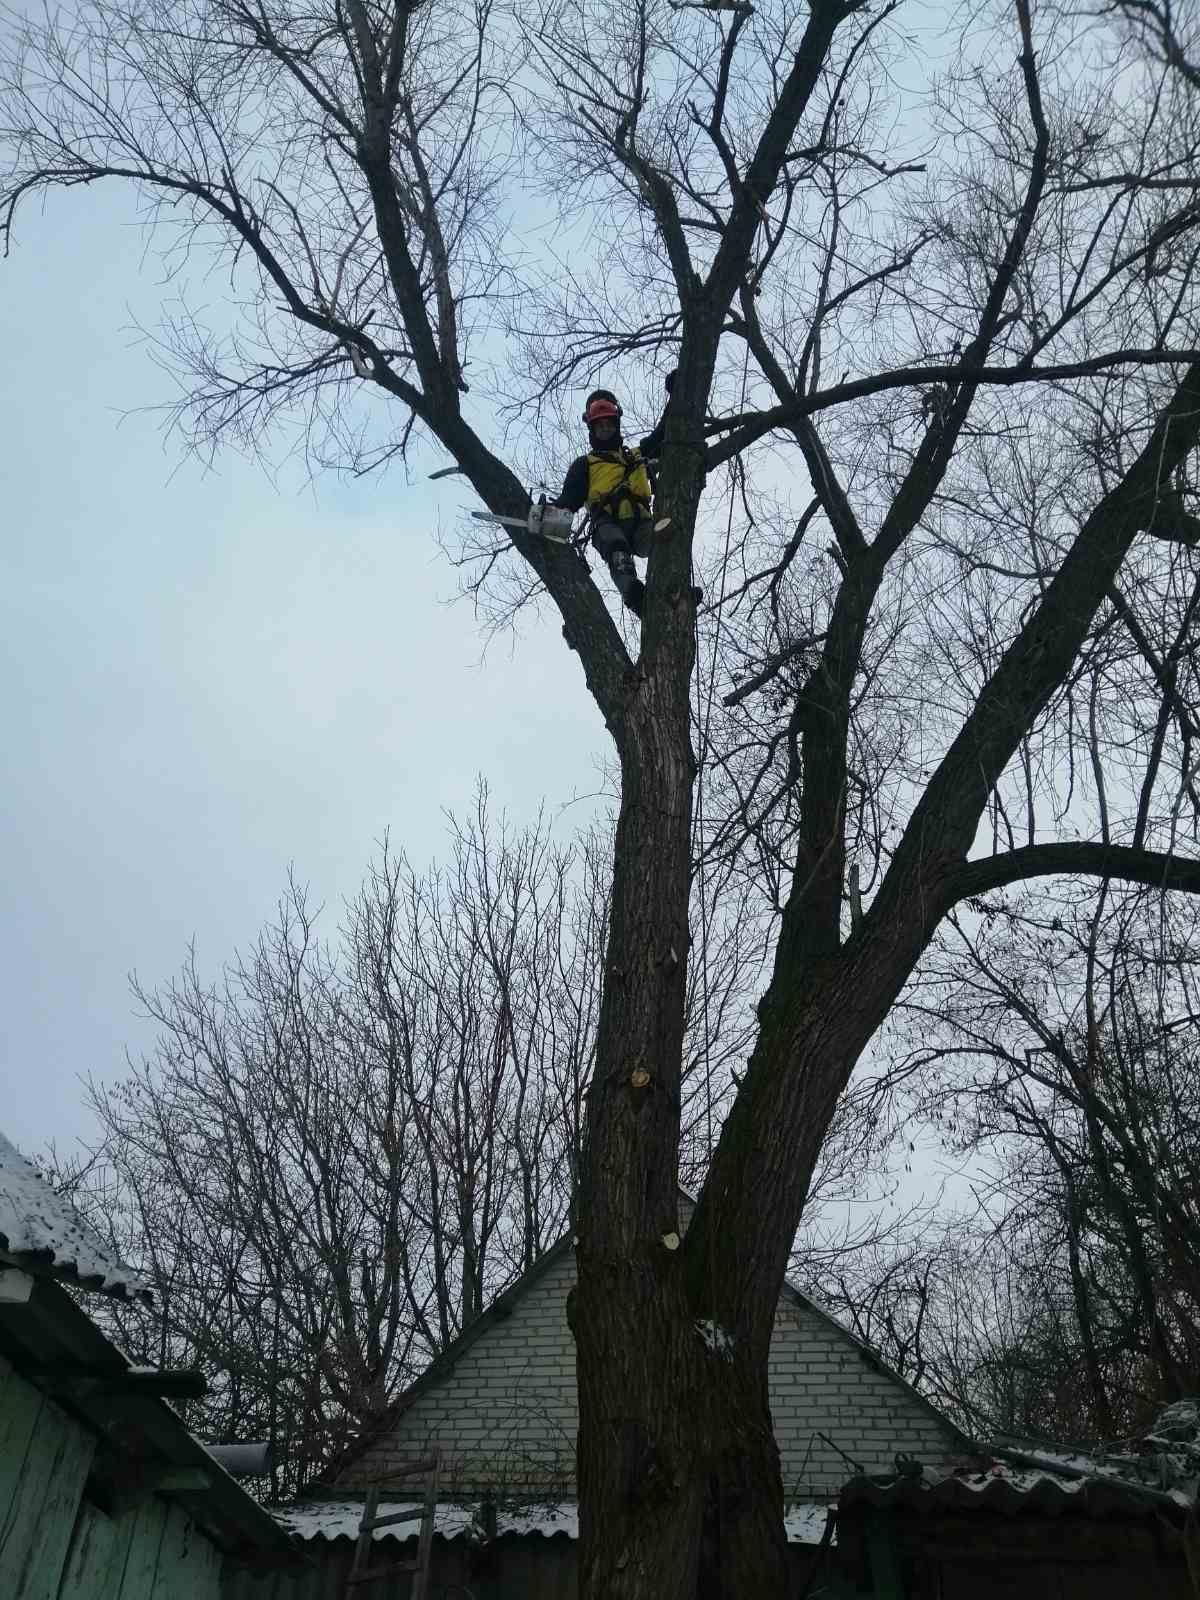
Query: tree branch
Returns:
{"type": "Point", "coordinates": [747, 426]}
{"type": "Point", "coordinates": [729, 264]}
{"type": "Point", "coordinates": [1155, 868]}
{"type": "Point", "coordinates": [944, 821]}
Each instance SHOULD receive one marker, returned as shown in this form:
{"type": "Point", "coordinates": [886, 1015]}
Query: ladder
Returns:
{"type": "Point", "coordinates": [361, 1571]}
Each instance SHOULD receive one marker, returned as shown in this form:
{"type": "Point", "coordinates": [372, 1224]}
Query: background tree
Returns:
{"type": "Point", "coordinates": [339, 1153]}
{"type": "Point", "coordinates": [937, 318]}
{"type": "Point", "coordinates": [970, 1315]}
{"type": "Point", "coordinates": [1056, 1046]}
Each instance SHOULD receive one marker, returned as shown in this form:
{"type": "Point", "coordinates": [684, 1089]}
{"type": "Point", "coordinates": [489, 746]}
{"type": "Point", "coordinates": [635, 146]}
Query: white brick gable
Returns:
{"type": "Point", "coordinates": [823, 1382]}
{"type": "Point", "coordinates": [505, 1413]}
{"type": "Point", "coordinates": [504, 1410]}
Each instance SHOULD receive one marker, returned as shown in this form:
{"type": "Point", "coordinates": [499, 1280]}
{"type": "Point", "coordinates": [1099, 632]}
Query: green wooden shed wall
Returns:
{"type": "Point", "coordinates": [56, 1544]}
{"type": "Point", "coordinates": [104, 1495]}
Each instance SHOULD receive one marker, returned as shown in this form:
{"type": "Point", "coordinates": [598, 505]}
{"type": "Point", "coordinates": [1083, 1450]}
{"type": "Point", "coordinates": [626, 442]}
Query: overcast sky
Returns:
{"type": "Point", "coordinates": [208, 676]}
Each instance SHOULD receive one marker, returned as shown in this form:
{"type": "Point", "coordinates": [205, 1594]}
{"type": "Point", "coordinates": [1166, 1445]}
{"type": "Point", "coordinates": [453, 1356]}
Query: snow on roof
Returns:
{"type": "Point", "coordinates": [998, 1488]}
{"type": "Point", "coordinates": [339, 1519]}
{"type": "Point", "coordinates": [1164, 1461]}
{"type": "Point", "coordinates": [1144, 1476]}
{"type": "Point", "coordinates": [1021, 1480]}
{"type": "Point", "coordinates": [41, 1232]}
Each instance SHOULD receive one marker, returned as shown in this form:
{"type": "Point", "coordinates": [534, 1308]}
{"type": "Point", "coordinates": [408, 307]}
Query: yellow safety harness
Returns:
{"type": "Point", "coordinates": [618, 485]}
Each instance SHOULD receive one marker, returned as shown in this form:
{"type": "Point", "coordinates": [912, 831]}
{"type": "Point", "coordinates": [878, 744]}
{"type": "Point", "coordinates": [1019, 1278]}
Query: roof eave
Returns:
{"type": "Point", "coordinates": [55, 1345]}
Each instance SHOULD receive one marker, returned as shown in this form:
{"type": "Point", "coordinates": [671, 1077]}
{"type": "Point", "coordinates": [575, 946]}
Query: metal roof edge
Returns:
{"type": "Point", "coordinates": [60, 1268]}
{"type": "Point", "coordinates": [1094, 1497]}
{"type": "Point", "coordinates": [1098, 1473]}
{"type": "Point", "coordinates": [42, 1233]}
{"type": "Point", "coordinates": [312, 1519]}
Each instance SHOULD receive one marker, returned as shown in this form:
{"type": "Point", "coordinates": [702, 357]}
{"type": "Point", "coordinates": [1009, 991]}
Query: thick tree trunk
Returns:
{"type": "Point", "coordinates": [656, 1402]}
{"type": "Point", "coordinates": [640, 1381]}
{"type": "Point", "coordinates": [679, 1473]}
{"type": "Point", "coordinates": [745, 1507]}
{"type": "Point", "coordinates": [680, 1490]}
{"type": "Point", "coordinates": [681, 1496]}
{"type": "Point", "coordinates": [814, 1029]}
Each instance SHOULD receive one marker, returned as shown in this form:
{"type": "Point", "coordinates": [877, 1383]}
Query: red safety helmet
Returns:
{"type": "Point", "coordinates": [599, 407]}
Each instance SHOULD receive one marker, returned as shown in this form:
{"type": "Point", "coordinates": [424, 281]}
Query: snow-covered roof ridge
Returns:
{"type": "Point", "coordinates": [340, 1519]}
{"type": "Point", "coordinates": [1165, 1460]}
{"type": "Point", "coordinates": [42, 1233]}
{"type": "Point", "coordinates": [1155, 1474]}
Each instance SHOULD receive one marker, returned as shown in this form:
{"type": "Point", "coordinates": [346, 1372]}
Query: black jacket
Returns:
{"type": "Point", "coordinates": [575, 485]}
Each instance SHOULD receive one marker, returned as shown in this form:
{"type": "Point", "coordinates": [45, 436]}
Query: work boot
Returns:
{"type": "Point", "coordinates": [630, 587]}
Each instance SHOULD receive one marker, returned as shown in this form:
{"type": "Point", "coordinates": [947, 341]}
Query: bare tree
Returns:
{"type": "Point", "coordinates": [1056, 1048]}
{"type": "Point", "coordinates": [938, 320]}
{"type": "Point", "coordinates": [338, 1155]}
{"type": "Point", "coordinates": [1170, 31]}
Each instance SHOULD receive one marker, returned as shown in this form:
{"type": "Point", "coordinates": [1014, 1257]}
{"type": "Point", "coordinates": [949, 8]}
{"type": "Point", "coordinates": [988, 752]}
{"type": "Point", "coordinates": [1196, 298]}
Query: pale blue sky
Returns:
{"type": "Point", "coordinates": [207, 677]}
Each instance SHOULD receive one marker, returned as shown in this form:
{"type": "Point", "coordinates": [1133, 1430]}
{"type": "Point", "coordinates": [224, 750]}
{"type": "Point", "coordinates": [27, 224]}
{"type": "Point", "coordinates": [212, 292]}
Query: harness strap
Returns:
{"type": "Point", "coordinates": [622, 491]}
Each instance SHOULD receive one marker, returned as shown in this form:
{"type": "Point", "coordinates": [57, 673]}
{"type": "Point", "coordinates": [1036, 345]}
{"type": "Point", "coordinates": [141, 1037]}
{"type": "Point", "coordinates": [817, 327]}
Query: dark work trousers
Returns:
{"type": "Point", "coordinates": [618, 543]}
{"type": "Point", "coordinates": [610, 536]}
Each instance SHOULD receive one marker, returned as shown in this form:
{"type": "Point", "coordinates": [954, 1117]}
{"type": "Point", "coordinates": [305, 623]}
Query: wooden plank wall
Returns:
{"type": "Point", "coordinates": [57, 1545]}
{"type": "Point", "coordinates": [519, 1567]}
{"type": "Point", "coordinates": [44, 1462]}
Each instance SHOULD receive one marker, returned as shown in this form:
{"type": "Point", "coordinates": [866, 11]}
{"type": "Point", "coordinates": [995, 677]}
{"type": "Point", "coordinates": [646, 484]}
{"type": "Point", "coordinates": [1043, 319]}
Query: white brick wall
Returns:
{"type": "Point", "coordinates": [506, 1415]}
{"type": "Point", "coordinates": [823, 1382]}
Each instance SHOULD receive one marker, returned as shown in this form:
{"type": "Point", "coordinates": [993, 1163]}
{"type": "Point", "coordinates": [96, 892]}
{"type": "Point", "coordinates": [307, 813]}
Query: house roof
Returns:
{"type": "Point", "coordinates": [43, 1234]}
{"type": "Point", "coordinates": [1156, 1474]}
{"type": "Point", "coordinates": [339, 1519]}
{"type": "Point", "coordinates": [54, 1345]}
{"type": "Point", "coordinates": [1008, 1492]}
{"type": "Point", "coordinates": [502, 1307]}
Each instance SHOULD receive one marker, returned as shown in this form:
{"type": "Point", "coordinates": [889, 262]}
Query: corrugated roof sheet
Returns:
{"type": "Point", "coordinates": [1165, 1459]}
{"type": "Point", "coordinates": [1037, 1492]}
{"type": "Point", "coordinates": [43, 1234]}
{"type": "Point", "coordinates": [1010, 1490]}
{"type": "Point", "coordinates": [339, 1519]}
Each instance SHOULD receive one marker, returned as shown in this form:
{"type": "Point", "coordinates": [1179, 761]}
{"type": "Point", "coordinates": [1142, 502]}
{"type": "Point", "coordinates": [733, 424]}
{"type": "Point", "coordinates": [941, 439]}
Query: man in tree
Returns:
{"type": "Point", "coordinates": [612, 480]}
